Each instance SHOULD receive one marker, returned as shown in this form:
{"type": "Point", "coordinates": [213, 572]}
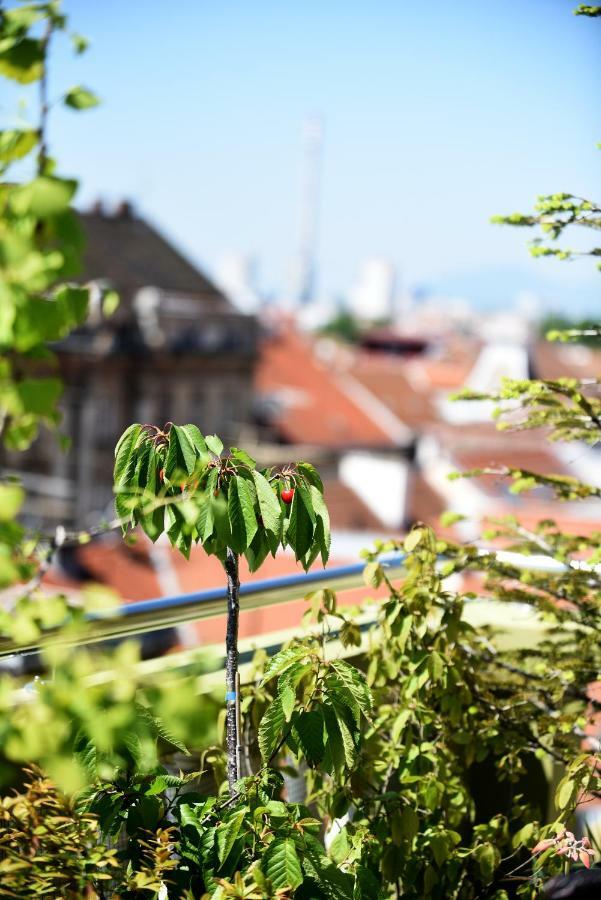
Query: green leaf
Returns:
{"type": "Point", "coordinates": [160, 729]}
{"type": "Point", "coordinates": [300, 527]}
{"type": "Point", "coordinates": [80, 98]}
{"type": "Point", "coordinates": [43, 197]}
{"type": "Point", "coordinates": [241, 514]}
{"type": "Point", "coordinates": [16, 144]}
{"type": "Point", "coordinates": [322, 530]}
{"type": "Point", "coordinates": [39, 395]}
{"type": "Point", "coordinates": [214, 444]}
{"type": "Point", "coordinates": [268, 503]}
{"type": "Point", "coordinates": [194, 434]}
{"type": "Point", "coordinates": [488, 860]}
{"type": "Point", "coordinates": [281, 864]}
{"type": "Point", "coordinates": [110, 303]}
{"type": "Point", "coordinates": [270, 729]}
{"type": "Point", "coordinates": [308, 728]}
{"type": "Point", "coordinates": [243, 457]}
{"type": "Point", "coordinates": [258, 551]}
{"type": "Point", "coordinates": [440, 849]}
{"type": "Point", "coordinates": [227, 833]}
{"type": "Point", "coordinates": [413, 539]}
{"type": "Point", "coordinates": [124, 454]}
{"type": "Point", "coordinates": [72, 304]}
{"type": "Point", "coordinates": [23, 61]}
{"type": "Point", "coordinates": [303, 490]}
{"type": "Point", "coordinates": [335, 743]}
{"type": "Point", "coordinates": [436, 666]}
{"type": "Point", "coordinates": [372, 574]}
{"type": "Point", "coordinates": [181, 453]}
{"type": "Point", "coordinates": [348, 743]}
{"type": "Point", "coordinates": [287, 695]}
{"type": "Point", "coordinates": [11, 500]}
{"type": "Point", "coordinates": [311, 474]}
{"type": "Point", "coordinates": [565, 792]}
{"type": "Point", "coordinates": [79, 42]}
{"type": "Point", "coordinates": [282, 661]}
{"type": "Point", "coordinates": [355, 683]}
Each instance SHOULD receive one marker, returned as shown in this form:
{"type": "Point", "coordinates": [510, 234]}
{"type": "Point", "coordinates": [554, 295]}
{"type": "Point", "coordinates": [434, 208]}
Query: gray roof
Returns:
{"type": "Point", "coordinates": [131, 254]}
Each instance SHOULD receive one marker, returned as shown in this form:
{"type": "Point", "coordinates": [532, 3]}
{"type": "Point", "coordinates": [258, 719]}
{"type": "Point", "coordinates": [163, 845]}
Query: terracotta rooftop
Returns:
{"type": "Point", "coordinates": [308, 402]}
{"type": "Point", "coordinates": [550, 360]}
{"type": "Point", "coordinates": [387, 378]}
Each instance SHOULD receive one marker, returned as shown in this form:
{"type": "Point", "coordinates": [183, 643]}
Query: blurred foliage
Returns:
{"type": "Point", "coordinates": [566, 330]}
{"type": "Point", "coordinates": [49, 847]}
{"type": "Point", "coordinates": [343, 326]}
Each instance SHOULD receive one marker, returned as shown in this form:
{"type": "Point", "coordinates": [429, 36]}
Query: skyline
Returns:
{"type": "Point", "coordinates": [434, 119]}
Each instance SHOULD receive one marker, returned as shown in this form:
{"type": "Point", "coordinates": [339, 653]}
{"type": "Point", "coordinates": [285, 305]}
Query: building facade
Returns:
{"type": "Point", "coordinates": [175, 350]}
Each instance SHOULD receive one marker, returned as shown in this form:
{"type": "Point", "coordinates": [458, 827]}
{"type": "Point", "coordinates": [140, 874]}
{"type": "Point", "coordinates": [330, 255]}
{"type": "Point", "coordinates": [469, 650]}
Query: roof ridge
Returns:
{"type": "Point", "coordinates": [372, 406]}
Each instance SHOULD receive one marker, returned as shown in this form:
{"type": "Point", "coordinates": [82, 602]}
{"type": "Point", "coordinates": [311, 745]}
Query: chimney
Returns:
{"type": "Point", "coordinates": [124, 210]}
{"type": "Point", "coordinates": [97, 208]}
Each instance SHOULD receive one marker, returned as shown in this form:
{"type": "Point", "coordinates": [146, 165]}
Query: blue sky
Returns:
{"type": "Point", "coordinates": [436, 115]}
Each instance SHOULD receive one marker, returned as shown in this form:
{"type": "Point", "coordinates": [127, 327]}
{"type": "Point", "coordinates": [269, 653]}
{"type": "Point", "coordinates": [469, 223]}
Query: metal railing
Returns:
{"type": "Point", "coordinates": [144, 616]}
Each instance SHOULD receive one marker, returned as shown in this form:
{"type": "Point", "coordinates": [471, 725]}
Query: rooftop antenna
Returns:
{"type": "Point", "coordinates": [303, 288]}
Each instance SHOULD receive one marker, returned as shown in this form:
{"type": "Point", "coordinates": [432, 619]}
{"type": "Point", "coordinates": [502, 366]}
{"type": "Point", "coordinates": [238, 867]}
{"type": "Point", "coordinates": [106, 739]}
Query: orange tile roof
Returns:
{"type": "Point", "coordinates": [314, 407]}
{"type": "Point", "coordinates": [387, 378]}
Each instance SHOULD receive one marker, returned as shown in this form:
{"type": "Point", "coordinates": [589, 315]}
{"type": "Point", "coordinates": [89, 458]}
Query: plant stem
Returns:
{"type": "Point", "coordinates": [42, 127]}
{"type": "Point", "coordinates": [232, 737]}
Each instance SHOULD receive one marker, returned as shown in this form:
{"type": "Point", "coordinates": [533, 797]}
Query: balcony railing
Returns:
{"type": "Point", "coordinates": [134, 619]}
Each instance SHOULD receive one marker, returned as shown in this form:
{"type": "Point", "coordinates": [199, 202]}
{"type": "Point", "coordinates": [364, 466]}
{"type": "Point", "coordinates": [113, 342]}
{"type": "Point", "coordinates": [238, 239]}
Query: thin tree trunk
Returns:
{"type": "Point", "coordinates": [232, 737]}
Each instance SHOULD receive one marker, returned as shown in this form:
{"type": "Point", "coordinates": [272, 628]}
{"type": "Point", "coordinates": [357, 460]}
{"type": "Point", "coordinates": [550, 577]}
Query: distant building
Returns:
{"type": "Point", "coordinates": [176, 349]}
{"type": "Point", "coordinates": [236, 275]}
{"type": "Point", "coordinates": [373, 296]}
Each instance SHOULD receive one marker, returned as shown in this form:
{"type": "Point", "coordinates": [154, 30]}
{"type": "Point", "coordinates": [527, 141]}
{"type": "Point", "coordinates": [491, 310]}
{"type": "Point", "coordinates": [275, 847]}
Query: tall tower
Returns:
{"type": "Point", "coordinates": [304, 272]}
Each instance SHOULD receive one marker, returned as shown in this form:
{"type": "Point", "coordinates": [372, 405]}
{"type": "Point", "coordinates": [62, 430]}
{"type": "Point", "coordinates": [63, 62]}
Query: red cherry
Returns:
{"type": "Point", "coordinates": [287, 495]}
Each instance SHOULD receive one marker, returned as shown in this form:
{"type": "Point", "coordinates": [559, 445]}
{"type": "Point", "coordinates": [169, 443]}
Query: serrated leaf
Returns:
{"type": "Point", "coordinates": [214, 444]}
{"type": "Point", "coordinates": [270, 729]}
{"type": "Point", "coordinates": [322, 529]}
{"type": "Point", "coordinates": [299, 533]}
{"type": "Point", "coordinates": [350, 750]}
{"type": "Point", "coordinates": [308, 729]}
{"type": "Point", "coordinates": [311, 474]}
{"type": "Point", "coordinates": [242, 456]}
{"type": "Point", "coordinates": [304, 491]}
{"type": "Point", "coordinates": [123, 451]}
{"type": "Point", "coordinates": [160, 729]}
{"type": "Point", "coordinates": [355, 683]}
{"type": "Point", "coordinates": [282, 865]}
{"type": "Point", "coordinates": [335, 743]}
{"type": "Point", "coordinates": [287, 696]}
{"type": "Point", "coordinates": [186, 451]}
{"type": "Point", "coordinates": [194, 434]}
{"type": "Point", "coordinates": [282, 661]}
{"type": "Point", "coordinates": [206, 518]}
{"type": "Point", "coordinates": [268, 503]}
{"type": "Point", "coordinates": [227, 833]}
{"type": "Point", "coordinates": [241, 514]}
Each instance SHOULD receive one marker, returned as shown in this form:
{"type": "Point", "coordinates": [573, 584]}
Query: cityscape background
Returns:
{"type": "Point", "coordinates": [293, 204]}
